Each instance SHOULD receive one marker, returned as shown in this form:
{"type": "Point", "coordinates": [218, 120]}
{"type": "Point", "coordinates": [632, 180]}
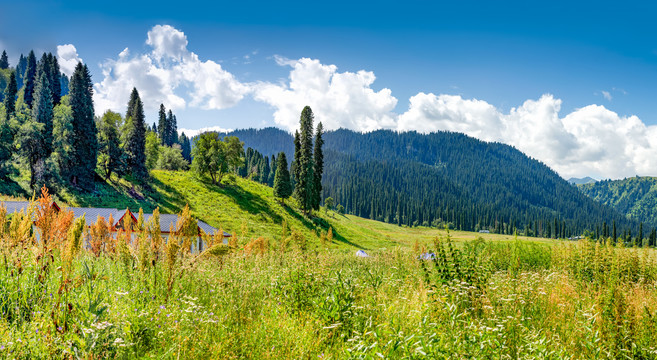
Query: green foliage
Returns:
{"type": "Point", "coordinates": [85, 142]}
{"type": "Point", "coordinates": [212, 157]}
{"type": "Point", "coordinates": [30, 143]}
{"type": "Point", "coordinates": [186, 147]}
{"type": "Point", "coordinates": [42, 110]}
{"type": "Point", "coordinates": [425, 179]}
{"type": "Point", "coordinates": [635, 197]}
{"type": "Point", "coordinates": [10, 96]}
{"type": "Point", "coordinates": [29, 79]}
{"type": "Point", "coordinates": [234, 152]}
{"type": "Point", "coordinates": [110, 154]}
{"type": "Point", "coordinates": [134, 137]}
{"type": "Point", "coordinates": [152, 150]}
{"type": "Point", "coordinates": [304, 188]}
{"type": "Point", "coordinates": [170, 158]}
{"type": "Point", "coordinates": [4, 60]}
{"type": "Point", "coordinates": [318, 163]}
{"type": "Point", "coordinates": [63, 138]}
{"type": "Point", "coordinates": [282, 182]}
{"type": "Point", "coordinates": [162, 124]}
{"type": "Point", "coordinates": [329, 203]}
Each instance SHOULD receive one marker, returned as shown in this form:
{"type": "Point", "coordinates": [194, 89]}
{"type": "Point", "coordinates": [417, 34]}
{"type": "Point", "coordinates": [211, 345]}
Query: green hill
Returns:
{"type": "Point", "coordinates": [443, 177]}
{"type": "Point", "coordinates": [635, 197]}
{"type": "Point", "coordinates": [244, 204]}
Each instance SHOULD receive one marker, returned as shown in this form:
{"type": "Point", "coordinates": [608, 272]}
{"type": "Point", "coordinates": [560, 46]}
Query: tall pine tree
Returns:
{"type": "Point", "coordinates": [42, 110]}
{"type": "Point", "coordinates": [63, 81]}
{"type": "Point", "coordinates": [170, 131]}
{"type": "Point", "coordinates": [10, 96]}
{"type": "Point", "coordinates": [54, 78]}
{"type": "Point", "coordinates": [304, 187]}
{"type": "Point", "coordinates": [162, 124]}
{"type": "Point", "coordinates": [85, 141]}
{"type": "Point", "coordinates": [282, 182]}
{"type": "Point", "coordinates": [20, 71]}
{"type": "Point", "coordinates": [319, 167]}
{"type": "Point", "coordinates": [134, 137]}
{"type": "Point", "coordinates": [6, 133]}
{"type": "Point", "coordinates": [29, 79]}
{"type": "Point", "coordinates": [4, 60]}
{"type": "Point", "coordinates": [295, 161]}
{"type": "Point", "coordinates": [186, 147]}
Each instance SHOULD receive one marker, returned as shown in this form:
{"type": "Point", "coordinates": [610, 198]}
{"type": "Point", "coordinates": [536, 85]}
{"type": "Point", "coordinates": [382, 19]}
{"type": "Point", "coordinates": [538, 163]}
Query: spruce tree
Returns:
{"type": "Point", "coordinates": [161, 124]}
{"type": "Point", "coordinates": [613, 236]}
{"type": "Point", "coordinates": [173, 130]}
{"type": "Point", "coordinates": [85, 141]}
{"type": "Point", "coordinates": [319, 168]}
{"type": "Point", "coordinates": [4, 60]}
{"type": "Point", "coordinates": [186, 147]}
{"type": "Point", "coordinates": [134, 137]}
{"type": "Point", "coordinates": [282, 183]}
{"type": "Point", "coordinates": [42, 111]}
{"type": "Point", "coordinates": [20, 71]}
{"type": "Point", "coordinates": [169, 133]}
{"type": "Point", "coordinates": [54, 78]}
{"type": "Point", "coordinates": [10, 96]}
{"type": "Point", "coordinates": [29, 79]}
{"type": "Point", "coordinates": [6, 148]}
{"type": "Point", "coordinates": [6, 133]}
{"type": "Point", "coordinates": [63, 81]}
{"type": "Point", "coordinates": [295, 161]}
{"type": "Point", "coordinates": [304, 187]}
{"type": "Point", "coordinates": [272, 173]}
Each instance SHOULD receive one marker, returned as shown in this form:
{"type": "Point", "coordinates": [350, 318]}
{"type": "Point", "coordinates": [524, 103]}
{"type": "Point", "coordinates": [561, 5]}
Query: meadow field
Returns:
{"type": "Point", "coordinates": [293, 296]}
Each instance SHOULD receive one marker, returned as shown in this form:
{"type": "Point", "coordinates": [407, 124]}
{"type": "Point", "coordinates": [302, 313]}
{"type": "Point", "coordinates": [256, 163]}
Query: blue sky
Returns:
{"type": "Point", "coordinates": [555, 73]}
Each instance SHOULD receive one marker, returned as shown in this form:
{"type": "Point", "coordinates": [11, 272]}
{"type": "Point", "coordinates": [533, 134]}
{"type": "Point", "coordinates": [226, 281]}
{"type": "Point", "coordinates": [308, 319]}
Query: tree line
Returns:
{"type": "Point", "coordinates": [450, 179]}
{"type": "Point", "coordinates": [48, 123]}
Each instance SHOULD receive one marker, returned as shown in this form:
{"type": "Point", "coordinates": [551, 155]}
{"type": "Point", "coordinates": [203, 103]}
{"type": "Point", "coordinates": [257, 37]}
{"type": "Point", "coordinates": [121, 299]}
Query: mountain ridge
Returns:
{"type": "Point", "coordinates": [445, 178]}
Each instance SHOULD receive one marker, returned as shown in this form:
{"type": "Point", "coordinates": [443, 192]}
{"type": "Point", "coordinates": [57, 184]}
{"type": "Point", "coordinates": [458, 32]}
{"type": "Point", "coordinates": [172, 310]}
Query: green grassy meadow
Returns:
{"type": "Point", "coordinates": [276, 293]}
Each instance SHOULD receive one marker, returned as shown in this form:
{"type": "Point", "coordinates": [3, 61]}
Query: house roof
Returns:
{"type": "Point", "coordinates": [166, 220]}
{"type": "Point", "coordinates": [92, 215]}
{"type": "Point", "coordinates": [15, 206]}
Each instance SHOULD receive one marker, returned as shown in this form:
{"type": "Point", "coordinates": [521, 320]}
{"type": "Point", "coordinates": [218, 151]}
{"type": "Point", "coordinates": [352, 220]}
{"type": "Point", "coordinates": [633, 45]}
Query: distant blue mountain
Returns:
{"type": "Point", "coordinates": [582, 181]}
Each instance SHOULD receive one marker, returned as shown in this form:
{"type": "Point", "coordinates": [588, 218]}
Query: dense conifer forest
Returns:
{"type": "Point", "coordinates": [634, 197]}
{"type": "Point", "coordinates": [449, 179]}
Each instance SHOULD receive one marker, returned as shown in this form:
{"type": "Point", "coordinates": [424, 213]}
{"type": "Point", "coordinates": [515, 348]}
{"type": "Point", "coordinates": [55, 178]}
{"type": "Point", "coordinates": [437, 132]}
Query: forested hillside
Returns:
{"type": "Point", "coordinates": [447, 178]}
{"type": "Point", "coordinates": [635, 197]}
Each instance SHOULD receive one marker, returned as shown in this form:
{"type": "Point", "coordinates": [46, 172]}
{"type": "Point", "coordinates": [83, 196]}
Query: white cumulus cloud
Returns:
{"type": "Point", "coordinates": [588, 141]}
{"type": "Point", "coordinates": [193, 132]}
{"type": "Point", "coordinates": [68, 58]}
{"type": "Point", "coordinates": [338, 99]}
{"type": "Point", "coordinates": [169, 74]}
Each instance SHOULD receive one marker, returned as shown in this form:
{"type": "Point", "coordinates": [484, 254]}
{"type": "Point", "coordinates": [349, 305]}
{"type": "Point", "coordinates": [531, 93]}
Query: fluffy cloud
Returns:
{"type": "Point", "coordinates": [168, 74]}
{"type": "Point", "coordinates": [589, 141]}
{"type": "Point", "coordinates": [67, 56]}
{"type": "Point", "coordinates": [338, 99]}
{"type": "Point", "coordinates": [193, 132]}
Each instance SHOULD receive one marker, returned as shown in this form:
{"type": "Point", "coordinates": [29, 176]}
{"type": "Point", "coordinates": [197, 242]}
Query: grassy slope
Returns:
{"type": "Point", "coordinates": [250, 205]}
